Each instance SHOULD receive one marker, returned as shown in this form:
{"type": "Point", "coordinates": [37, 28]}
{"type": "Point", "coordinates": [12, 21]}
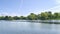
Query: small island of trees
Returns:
{"type": "Point", "coordinates": [42, 16]}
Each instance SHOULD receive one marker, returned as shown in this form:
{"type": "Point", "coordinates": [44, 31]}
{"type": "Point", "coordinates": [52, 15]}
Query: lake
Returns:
{"type": "Point", "coordinates": [28, 27]}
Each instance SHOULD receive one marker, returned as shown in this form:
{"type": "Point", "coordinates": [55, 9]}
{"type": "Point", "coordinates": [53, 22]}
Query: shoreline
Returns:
{"type": "Point", "coordinates": [37, 21]}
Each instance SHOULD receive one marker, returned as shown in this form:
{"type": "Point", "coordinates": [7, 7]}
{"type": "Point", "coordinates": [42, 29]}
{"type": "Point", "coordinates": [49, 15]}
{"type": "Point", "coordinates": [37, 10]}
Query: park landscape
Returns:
{"type": "Point", "coordinates": [29, 16]}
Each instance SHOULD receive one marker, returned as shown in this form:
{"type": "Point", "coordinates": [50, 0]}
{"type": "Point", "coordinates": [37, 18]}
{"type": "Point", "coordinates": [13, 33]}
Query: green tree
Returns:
{"type": "Point", "coordinates": [22, 18]}
{"type": "Point", "coordinates": [6, 17]}
{"type": "Point", "coordinates": [32, 16]}
{"type": "Point", "coordinates": [10, 18]}
{"type": "Point", "coordinates": [55, 15]}
{"type": "Point", "coordinates": [49, 14]}
{"type": "Point", "coordinates": [39, 16]}
{"type": "Point", "coordinates": [1, 17]}
{"type": "Point", "coordinates": [16, 18]}
{"type": "Point", "coordinates": [44, 16]}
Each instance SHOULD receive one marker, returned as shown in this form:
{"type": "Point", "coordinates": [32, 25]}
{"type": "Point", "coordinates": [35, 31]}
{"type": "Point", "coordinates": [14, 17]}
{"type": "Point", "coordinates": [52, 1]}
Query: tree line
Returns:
{"type": "Point", "coordinates": [42, 16]}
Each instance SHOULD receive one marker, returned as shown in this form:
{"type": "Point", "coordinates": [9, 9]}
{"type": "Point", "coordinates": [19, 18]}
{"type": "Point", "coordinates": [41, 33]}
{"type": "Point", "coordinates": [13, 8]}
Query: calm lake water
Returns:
{"type": "Point", "coordinates": [24, 27]}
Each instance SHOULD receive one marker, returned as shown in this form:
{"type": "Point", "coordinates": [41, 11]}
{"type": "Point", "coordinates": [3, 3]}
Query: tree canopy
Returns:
{"type": "Point", "coordinates": [42, 16]}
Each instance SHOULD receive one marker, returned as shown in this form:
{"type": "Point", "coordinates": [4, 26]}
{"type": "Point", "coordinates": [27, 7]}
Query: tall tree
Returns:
{"type": "Point", "coordinates": [32, 16]}
{"type": "Point", "coordinates": [22, 18]}
{"type": "Point", "coordinates": [16, 18]}
{"type": "Point", "coordinates": [44, 16]}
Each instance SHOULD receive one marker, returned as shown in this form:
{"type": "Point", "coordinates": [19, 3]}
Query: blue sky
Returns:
{"type": "Point", "coordinates": [25, 7]}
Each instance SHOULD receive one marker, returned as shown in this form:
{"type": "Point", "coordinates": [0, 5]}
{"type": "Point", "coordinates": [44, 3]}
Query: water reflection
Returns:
{"type": "Point", "coordinates": [45, 21]}
{"type": "Point", "coordinates": [30, 27]}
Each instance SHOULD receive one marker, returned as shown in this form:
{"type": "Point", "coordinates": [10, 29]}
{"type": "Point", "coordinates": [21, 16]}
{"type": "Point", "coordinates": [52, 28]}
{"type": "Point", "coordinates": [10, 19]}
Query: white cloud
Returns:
{"type": "Point", "coordinates": [8, 14]}
{"type": "Point", "coordinates": [57, 1]}
{"type": "Point", "coordinates": [55, 8]}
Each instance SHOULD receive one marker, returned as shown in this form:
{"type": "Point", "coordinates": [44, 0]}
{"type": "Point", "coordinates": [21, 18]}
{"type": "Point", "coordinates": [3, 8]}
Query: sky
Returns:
{"type": "Point", "coordinates": [25, 7]}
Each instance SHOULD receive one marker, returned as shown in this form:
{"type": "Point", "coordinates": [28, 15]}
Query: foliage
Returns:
{"type": "Point", "coordinates": [32, 16]}
{"type": "Point", "coordinates": [42, 16]}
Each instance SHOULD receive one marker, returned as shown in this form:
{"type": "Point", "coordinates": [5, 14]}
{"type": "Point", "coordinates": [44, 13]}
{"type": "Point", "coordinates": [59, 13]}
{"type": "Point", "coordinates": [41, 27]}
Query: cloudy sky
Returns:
{"type": "Point", "coordinates": [24, 7]}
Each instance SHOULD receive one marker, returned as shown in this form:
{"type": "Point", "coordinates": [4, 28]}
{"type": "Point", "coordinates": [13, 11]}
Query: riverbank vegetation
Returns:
{"type": "Point", "coordinates": [32, 16]}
